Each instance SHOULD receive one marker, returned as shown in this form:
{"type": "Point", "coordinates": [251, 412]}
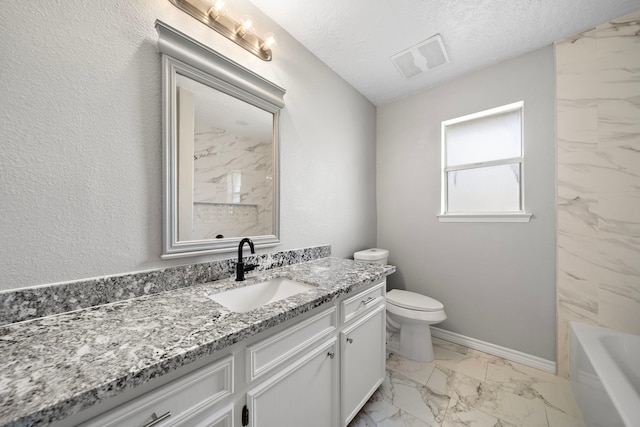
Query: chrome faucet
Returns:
{"type": "Point", "coordinates": [240, 267]}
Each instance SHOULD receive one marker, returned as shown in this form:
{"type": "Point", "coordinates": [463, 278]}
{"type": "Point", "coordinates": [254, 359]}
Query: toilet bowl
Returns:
{"type": "Point", "coordinates": [409, 315]}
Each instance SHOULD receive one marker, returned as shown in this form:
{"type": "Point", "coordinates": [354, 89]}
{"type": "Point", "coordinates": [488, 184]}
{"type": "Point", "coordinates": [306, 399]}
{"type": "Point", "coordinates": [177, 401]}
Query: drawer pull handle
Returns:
{"type": "Point", "coordinates": [350, 340]}
{"type": "Point", "coordinates": [331, 354]}
{"type": "Point", "coordinates": [367, 301]}
{"type": "Point", "coordinates": [156, 419]}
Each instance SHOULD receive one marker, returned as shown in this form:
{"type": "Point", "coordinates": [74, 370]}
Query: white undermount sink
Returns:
{"type": "Point", "coordinates": [255, 296]}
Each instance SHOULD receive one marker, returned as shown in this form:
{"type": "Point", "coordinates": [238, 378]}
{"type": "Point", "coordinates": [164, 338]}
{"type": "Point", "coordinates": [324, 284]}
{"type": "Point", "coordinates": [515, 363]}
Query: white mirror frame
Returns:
{"type": "Point", "coordinates": [181, 53]}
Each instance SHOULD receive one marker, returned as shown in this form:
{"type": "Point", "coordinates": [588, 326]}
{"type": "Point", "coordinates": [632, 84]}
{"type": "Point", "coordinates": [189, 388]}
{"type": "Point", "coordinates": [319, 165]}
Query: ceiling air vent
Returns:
{"type": "Point", "coordinates": [422, 57]}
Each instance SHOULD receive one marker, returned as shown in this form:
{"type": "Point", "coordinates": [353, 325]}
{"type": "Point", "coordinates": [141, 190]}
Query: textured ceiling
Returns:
{"type": "Point", "coordinates": [356, 37]}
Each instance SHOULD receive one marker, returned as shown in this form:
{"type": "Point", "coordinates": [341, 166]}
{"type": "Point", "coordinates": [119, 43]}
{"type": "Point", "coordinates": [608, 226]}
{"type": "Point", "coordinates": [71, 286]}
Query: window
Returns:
{"type": "Point", "coordinates": [482, 166]}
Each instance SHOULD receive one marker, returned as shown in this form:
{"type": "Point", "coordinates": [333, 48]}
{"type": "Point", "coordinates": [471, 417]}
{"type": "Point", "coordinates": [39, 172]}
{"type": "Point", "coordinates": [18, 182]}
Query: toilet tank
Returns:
{"type": "Point", "coordinates": [372, 256]}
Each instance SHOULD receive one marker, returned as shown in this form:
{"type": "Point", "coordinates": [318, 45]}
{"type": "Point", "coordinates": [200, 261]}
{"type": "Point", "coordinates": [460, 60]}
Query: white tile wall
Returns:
{"type": "Point", "coordinates": [598, 135]}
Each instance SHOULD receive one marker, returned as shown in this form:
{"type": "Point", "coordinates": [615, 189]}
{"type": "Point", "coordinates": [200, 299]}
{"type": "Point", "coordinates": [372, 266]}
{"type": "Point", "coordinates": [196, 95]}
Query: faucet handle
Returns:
{"type": "Point", "coordinates": [249, 267]}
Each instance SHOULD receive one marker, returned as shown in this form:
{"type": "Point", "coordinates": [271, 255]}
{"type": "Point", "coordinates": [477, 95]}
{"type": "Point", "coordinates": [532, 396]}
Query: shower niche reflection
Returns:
{"type": "Point", "coordinates": [220, 150]}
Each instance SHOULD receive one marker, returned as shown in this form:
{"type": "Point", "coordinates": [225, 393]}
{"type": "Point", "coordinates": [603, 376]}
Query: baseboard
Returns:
{"type": "Point", "coordinates": [496, 350]}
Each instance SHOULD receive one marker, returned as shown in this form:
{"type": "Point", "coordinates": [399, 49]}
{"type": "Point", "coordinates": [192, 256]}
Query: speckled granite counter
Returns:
{"type": "Point", "coordinates": [56, 366]}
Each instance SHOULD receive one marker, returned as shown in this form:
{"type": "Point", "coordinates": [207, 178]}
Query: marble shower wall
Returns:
{"type": "Point", "coordinates": [598, 135]}
{"type": "Point", "coordinates": [245, 209]}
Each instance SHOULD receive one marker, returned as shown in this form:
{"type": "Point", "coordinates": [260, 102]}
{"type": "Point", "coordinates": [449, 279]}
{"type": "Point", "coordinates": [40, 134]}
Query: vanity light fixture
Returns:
{"type": "Point", "coordinates": [214, 14]}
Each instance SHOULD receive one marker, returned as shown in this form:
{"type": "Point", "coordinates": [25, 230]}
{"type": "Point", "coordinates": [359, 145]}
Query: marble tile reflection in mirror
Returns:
{"type": "Point", "coordinates": [225, 165]}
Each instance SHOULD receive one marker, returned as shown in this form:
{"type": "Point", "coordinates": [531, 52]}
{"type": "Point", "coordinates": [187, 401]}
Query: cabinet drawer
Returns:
{"type": "Point", "coordinates": [268, 353]}
{"type": "Point", "coordinates": [363, 301]}
{"type": "Point", "coordinates": [174, 401]}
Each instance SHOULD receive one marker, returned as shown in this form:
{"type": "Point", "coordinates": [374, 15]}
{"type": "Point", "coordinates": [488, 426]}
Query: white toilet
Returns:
{"type": "Point", "coordinates": [409, 315]}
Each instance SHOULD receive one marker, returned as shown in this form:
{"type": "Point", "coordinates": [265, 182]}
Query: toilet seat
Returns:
{"type": "Point", "coordinates": [415, 307]}
{"type": "Point", "coordinates": [408, 315]}
{"type": "Point", "coordinates": [413, 301]}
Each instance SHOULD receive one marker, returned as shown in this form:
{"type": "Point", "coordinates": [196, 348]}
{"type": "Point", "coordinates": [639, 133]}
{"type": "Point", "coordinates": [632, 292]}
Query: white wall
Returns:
{"type": "Point", "coordinates": [80, 165]}
{"type": "Point", "coordinates": [496, 281]}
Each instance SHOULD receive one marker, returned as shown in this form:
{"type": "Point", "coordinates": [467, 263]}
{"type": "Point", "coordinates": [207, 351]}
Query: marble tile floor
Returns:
{"type": "Point", "coordinates": [465, 387]}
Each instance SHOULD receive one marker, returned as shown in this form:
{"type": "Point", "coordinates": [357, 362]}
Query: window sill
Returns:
{"type": "Point", "coordinates": [497, 217]}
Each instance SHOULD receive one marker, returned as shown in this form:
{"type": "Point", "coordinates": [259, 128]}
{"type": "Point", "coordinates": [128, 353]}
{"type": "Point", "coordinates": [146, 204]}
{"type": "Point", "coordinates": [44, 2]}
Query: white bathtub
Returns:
{"type": "Point", "coordinates": [604, 372]}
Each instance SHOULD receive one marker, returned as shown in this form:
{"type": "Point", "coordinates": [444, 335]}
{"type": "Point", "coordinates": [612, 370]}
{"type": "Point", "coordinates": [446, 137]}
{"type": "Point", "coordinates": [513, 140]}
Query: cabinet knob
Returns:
{"type": "Point", "coordinates": [331, 354]}
{"type": "Point", "coordinates": [350, 340]}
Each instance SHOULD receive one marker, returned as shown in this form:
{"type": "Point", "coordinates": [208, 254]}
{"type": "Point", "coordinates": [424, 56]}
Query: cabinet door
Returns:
{"type": "Point", "coordinates": [303, 394]}
{"type": "Point", "coordinates": [363, 361]}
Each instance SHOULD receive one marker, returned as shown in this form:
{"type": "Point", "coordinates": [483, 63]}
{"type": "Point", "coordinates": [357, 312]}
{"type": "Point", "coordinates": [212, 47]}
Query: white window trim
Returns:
{"type": "Point", "coordinates": [486, 217]}
{"type": "Point", "coordinates": [517, 216]}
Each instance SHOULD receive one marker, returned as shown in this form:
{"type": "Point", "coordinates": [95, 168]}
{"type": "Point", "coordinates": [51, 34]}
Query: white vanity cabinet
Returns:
{"type": "Point", "coordinates": [363, 353]}
{"type": "Point", "coordinates": [336, 370]}
{"type": "Point", "coordinates": [316, 370]}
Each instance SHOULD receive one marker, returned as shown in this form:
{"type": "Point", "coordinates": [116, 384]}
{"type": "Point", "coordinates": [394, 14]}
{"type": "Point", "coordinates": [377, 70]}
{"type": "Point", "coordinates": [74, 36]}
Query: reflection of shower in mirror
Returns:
{"type": "Point", "coordinates": [225, 156]}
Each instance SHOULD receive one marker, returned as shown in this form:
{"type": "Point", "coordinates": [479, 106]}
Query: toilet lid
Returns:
{"type": "Point", "coordinates": [413, 301]}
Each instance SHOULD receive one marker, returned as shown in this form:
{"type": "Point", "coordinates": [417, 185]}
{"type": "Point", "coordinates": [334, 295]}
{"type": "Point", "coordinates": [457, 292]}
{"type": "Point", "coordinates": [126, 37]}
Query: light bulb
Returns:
{"type": "Point", "coordinates": [245, 26]}
{"type": "Point", "coordinates": [216, 9]}
{"type": "Point", "coordinates": [269, 42]}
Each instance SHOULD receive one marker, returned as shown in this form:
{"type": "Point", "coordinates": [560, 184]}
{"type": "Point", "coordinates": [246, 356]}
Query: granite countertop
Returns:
{"type": "Point", "coordinates": [58, 365]}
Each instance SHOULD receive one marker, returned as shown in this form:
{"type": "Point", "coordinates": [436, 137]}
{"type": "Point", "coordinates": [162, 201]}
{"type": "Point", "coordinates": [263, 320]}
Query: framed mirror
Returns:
{"type": "Point", "coordinates": [220, 150]}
